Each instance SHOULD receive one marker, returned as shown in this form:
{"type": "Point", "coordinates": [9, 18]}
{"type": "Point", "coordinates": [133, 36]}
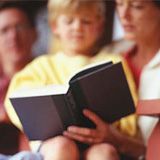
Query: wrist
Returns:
{"type": "Point", "coordinates": [116, 139]}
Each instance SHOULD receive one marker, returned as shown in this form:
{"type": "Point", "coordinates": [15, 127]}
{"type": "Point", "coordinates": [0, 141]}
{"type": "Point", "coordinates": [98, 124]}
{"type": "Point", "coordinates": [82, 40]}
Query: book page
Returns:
{"type": "Point", "coordinates": [40, 91]}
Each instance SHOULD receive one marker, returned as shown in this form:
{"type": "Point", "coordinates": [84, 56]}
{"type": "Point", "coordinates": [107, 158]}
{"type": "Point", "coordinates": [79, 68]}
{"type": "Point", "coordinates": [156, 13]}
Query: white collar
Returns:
{"type": "Point", "coordinates": [155, 61]}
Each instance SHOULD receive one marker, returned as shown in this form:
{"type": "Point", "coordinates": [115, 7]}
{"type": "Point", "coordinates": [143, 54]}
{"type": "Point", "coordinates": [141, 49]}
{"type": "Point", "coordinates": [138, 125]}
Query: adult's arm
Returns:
{"type": "Point", "coordinates": [104, 132]}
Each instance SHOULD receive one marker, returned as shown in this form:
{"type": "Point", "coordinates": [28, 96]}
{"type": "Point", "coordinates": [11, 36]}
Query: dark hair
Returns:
{"type": "Point", "coordinates": [30, 8]}
{"type": "Point", "coordinates": [157, 3]}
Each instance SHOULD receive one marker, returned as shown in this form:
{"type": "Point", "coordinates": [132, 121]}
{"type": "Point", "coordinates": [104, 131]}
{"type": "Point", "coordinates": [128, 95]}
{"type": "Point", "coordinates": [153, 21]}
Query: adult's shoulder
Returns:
{"type": "Point", "coordinates": [103, 55]}
{"type": "Point", "coordinates": [118, 46]}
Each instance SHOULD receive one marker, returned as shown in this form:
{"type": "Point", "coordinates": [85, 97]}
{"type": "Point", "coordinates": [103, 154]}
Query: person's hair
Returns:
{"type": "Point", "coordinates": [56, 7]}
{"type": "Point", "coordinates": [157, 3]}
{"type": "Point", "coordinates": [28, 7]}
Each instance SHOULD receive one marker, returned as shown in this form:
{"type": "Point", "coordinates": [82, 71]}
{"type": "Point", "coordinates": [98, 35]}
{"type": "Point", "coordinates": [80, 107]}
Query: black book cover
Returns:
{"type": "Point", "coordinates": [102, 88]}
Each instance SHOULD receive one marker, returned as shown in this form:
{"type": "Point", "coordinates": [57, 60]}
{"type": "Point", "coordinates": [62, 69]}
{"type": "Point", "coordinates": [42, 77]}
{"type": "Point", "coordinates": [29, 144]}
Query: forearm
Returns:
{"type": "Point", "coordinates": [128, 145]}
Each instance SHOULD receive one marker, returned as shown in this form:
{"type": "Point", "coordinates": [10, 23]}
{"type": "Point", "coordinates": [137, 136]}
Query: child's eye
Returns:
{"type": "Point", "coordinates": [87, 21]}
{"type": "Point", "coordinates": [68, 20]}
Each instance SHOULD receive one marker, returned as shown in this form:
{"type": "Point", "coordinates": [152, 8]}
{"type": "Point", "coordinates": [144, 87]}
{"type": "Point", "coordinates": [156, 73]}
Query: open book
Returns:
{"type": "Point", "coordinates": [46, 112]}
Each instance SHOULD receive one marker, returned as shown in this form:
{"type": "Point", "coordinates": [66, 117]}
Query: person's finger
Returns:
{"type": "Point", "coordinates": [88, 140]}
{"type": "Point", "coordinates": [82, 131]}
{"type": "Point", "coordinates": [93, 117]}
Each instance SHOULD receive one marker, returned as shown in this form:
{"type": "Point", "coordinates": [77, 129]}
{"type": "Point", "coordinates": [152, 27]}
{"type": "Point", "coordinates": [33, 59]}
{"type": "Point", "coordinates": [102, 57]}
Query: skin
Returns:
{"type": "Point", "coordinates": [16, 39]}
{"type": "Point", "coordinates": [78, 32]}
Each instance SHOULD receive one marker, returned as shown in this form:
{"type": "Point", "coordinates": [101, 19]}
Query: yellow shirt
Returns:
{"type": "Point", "coordinates": [57, 69]}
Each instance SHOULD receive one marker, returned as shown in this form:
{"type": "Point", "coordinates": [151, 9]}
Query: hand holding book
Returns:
{"type": "Point", "coordinates": [89, 135]}
{"type": "Point", "coordinates": [103, 132]}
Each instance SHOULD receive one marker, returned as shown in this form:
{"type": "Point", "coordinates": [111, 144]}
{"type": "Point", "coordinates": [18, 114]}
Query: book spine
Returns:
{"type": "Point", "coordinates": [81, 103]}
{"type": "Point", "coordinates": [71, 105]}
{"type": "Point", "coordinates": [63, 110]}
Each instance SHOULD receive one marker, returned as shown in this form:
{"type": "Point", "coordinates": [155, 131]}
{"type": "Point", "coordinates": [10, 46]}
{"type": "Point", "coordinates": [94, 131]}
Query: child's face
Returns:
{"type": "Point", "coordinates": [78, 33]}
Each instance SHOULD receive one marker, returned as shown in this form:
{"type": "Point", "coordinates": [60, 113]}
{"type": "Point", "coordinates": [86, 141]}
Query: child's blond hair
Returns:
{"type": "Point", "coordinates": [57, 7]}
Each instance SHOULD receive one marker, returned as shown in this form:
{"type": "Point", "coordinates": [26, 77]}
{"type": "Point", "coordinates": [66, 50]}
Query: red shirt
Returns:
{"type": "Point", "coordinates": [4, 83]}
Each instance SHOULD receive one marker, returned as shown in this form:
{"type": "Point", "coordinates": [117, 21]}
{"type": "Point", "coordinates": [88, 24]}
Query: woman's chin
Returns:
{"type": "Point", "coordinates": [130, 36]}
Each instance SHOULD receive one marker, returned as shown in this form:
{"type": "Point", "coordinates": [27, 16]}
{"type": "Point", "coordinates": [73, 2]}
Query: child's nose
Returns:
{"type": "Point", "coordinates": [77, 24]}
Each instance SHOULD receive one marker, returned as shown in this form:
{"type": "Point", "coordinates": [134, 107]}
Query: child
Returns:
{"type": "Point", "coordinates": [78, 26]}
{"type": "Point", "coordinates": [78, 30]}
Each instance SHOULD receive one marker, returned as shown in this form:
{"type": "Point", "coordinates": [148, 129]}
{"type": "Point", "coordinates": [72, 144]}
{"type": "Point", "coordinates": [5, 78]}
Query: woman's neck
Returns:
{"type": "Point", "coordinates": [145, 51]}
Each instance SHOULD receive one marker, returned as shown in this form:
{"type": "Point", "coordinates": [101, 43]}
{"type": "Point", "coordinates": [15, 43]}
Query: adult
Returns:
{"type": "Point", "coordinates": [17, 35]}
{"type": "Point", "coordinates": [141, 21]}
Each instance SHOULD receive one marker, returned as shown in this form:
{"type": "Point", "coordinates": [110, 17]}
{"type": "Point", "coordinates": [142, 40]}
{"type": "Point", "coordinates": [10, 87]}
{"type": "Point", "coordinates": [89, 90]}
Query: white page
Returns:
{"type": "Point", "coordinates": [40, 91]}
